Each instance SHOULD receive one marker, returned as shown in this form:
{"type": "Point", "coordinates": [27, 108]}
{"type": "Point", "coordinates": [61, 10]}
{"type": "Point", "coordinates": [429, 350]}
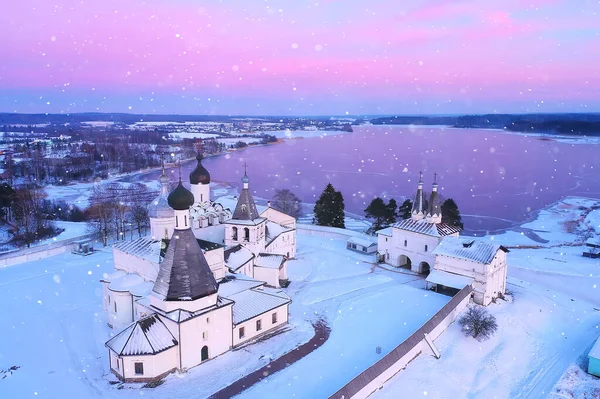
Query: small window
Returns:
{"type": "Point", "coordinates": [205, 335]}
{"type": "Point", "coordinates": [258, 325]}
{"type": "Point", "coordinates": [405, 243]}
{"type": "Point", "coordinates": [246, 234]}
{"type": "Point", "coordinates": [139, 368]}
{"type": "Point", "coordinates": [115, 307]}
{"type": "Point", "coordinates": [242, 332]}
{"type": "Point", "coordinates": [364, 249]}
{"type": "Point", "coordinates": [425, 248]}
{"type": "Point", "coordinates": [235, 234]}
{"type": "Point", "coordinates": [185, 221]}
{"type": "Point", "coordinates": [274, 318]}
{"type": "Point", "coordinates": [208, 320]}
{"type": "Point", "coordinates": [386, 239]}
{"type": "Point", "coordinates": [108, 299]}
{"type": "Point", "coordinates": [176, 221]}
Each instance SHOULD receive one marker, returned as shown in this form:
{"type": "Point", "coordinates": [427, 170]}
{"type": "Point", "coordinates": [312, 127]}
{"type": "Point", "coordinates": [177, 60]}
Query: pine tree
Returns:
{"type": "Point", "coordinates": [391, 207]}
{"type": "Point", "coordinates": [451, 214]}
{"type": "Point", "coordinates": [405, 209]}
{"type": "Point", "coordinates": [329, 209]}
{"type": "Point", "coordinates": [377, 210]}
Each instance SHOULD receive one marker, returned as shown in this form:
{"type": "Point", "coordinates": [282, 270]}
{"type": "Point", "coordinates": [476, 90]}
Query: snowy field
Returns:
{"type": "Point", "coordinates": [57, 329]}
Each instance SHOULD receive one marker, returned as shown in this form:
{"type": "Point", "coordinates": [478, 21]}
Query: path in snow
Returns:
{"type": "Point", "coordinates": [322, 331]}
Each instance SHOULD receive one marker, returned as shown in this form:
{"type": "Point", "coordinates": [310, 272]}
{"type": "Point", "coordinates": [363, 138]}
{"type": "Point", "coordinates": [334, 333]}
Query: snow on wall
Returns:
{"type": "Point", "coordinates": [375, 376]}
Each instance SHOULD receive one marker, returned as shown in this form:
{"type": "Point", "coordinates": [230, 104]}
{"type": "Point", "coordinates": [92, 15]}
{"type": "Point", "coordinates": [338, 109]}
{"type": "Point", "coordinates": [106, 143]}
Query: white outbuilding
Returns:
{"type": "Point", "coordinates": [478, 262]}
{"type": "Point", "coordinates": [361, 245]}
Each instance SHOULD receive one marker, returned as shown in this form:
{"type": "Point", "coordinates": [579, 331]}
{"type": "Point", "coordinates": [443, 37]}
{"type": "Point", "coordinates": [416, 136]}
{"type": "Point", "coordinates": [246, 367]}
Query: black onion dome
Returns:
{"type": "Point", "coordinates": [181, 198]}
{"type": "Point", "coordinates": [199, 175]}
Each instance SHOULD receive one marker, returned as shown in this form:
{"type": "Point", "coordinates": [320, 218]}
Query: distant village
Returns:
{"type": "Point", "coordinates": [67, 150]}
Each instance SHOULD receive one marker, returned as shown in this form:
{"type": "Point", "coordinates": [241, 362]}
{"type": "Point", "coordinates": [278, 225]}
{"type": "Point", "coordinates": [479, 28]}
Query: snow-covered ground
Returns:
{"type": "Point", "coordinates": [546, 330]}
{"type": "Point", "coordinates": [56, 329]}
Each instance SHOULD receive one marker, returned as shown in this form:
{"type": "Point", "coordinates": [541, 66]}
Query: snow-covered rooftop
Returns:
{"type": "Point", "coordinates": [237, 256]}
{"type": "Point", "coordinates": [386, 232]}
{"type": "Point", "coordinates": [479, 251]}
{"type": "Point", "coordinates": [274, 230]}
{"type": "Point", "coordinates": [269, 261]}
{"type": "Point", "coordinates": [235, 284]}
{"type": "Point", "coordinates": [448, 279]}
{"type": "Point", "coordinates": [361, 241]}
{"type": "Point", "coordinates": [424, 227]}
{"type": "Point", "coordinates": [146, 336]}
{"type": "Point", "coordinates": [143, 247]}
{"type": "Point", "coordinates": [126, 282]}
{"type": "Point", "coordinates": [214, 234]}
{"type": "Point", "coordinates": [251, 303]}
{"type": "Point", "coordinates": [113, 276]}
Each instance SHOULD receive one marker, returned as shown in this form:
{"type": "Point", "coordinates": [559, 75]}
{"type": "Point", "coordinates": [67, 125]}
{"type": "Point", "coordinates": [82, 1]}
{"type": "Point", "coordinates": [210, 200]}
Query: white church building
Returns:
{"type": "Point", "coordinates": [426, 245]}
{"type": "Point", "coordinates": [207, 280]}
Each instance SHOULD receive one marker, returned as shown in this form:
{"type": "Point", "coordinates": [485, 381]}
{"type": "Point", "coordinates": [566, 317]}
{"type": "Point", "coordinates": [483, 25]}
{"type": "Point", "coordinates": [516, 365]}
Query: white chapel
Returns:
{"type": "Point", "coordinates": [426, 245]}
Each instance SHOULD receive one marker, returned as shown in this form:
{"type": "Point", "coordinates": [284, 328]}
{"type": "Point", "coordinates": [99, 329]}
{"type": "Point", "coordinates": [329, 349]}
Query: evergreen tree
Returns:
{"type": "Point", "coordinates": [404, 211]}
{"type": "Point", "coordinates": [384, 214]}
{"type": "Point", "coordinates": [451, 214]}
{"type": "Point", "coordinates": [329, 209]}
{"type": "Point", "coordinates": [378, 211]}
{"type": "Point", "coordinates": [392, 206]}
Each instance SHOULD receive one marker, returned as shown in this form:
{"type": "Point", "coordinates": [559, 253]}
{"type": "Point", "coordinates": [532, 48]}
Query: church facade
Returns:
{"type": "Point", "coordinates": [426, 245]}
{"type": "Point", "coordinates": [180, 297]}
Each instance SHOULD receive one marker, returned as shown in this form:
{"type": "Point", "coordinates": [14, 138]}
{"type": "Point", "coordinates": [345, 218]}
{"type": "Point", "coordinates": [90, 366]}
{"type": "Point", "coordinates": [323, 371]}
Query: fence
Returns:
{"type": "Point", "coordinates": [375, 376]}
{"type": "Point", "coordinates": [39, 252]}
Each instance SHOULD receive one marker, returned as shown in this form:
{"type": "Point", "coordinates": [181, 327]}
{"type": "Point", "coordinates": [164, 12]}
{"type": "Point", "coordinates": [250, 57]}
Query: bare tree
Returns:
{"type": "Point", "coordinates": [101, 212]}
{"type": "Point", "coordinates": [287, 202]}
{"type": "Point", "coordinates": [30, 220]}
{"type": "Point", "coordinates": [478, 323]}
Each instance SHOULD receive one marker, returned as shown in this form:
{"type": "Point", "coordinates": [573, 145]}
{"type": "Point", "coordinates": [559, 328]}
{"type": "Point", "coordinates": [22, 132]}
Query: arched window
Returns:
{"type": "Point", "coordinates": [204, 353]}
{"type": "Point", "coordinates": [246, 234]}
{"type": "Point", "coordinates": [405, 242]}
{"type": "Point", "coordinates": [425, 248]}
{"type": "Point", "coordinates": [185, 221]}
{"type": "Point", "coordinates": [235, 237]}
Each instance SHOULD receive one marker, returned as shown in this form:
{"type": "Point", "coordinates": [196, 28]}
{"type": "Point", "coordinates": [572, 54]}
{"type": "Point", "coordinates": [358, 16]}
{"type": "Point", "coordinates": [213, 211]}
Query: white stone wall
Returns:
{"type": "Point", "coordinates": [120, 309]}
{"type": "Point", "coordinates": [284, 244]}
{"type": "Point", "coordinates": [212, 329]}
{"type": "Point", "coordinates": [256, 242]}
{"type": "Point", "coordinates": [216, 262]}
{"type": "Point", "coordinates": [201, 192]}
{"type": "Point", "coordinates": [144, 268]}
{"type": "Point", "coordinates": [162, 227]}
{"type": "Point", "coordinates": [269, 276]}
{"type": "Point", "coordinates": [419, 248]}
{"type": "Point", "coordinates": [249, 326]}
{"type": "Point", "coordinates": [154, 365]}
{"type": "Point", "coordinates": [192, 306]}
{"type": "Point", "coordinates": [279, 217]}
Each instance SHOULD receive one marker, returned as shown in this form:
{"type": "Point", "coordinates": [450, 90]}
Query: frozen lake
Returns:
{"type": "Point", "coordinates": [498, 179]}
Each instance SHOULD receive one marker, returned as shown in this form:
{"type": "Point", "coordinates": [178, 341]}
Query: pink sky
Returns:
{"type": "Point", "coordinates": [284, 57]}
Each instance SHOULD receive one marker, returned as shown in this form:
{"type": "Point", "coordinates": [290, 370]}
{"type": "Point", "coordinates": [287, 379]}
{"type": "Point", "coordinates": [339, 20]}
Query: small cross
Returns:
{"type": "Point", "coordinates": [434, 177]}
{"type": "Point", "coordinates": [420, 175]}
{"type": "Point", "coordinates": [179, 166]}
{"type": "Point", "coordinates": [245, 166]}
